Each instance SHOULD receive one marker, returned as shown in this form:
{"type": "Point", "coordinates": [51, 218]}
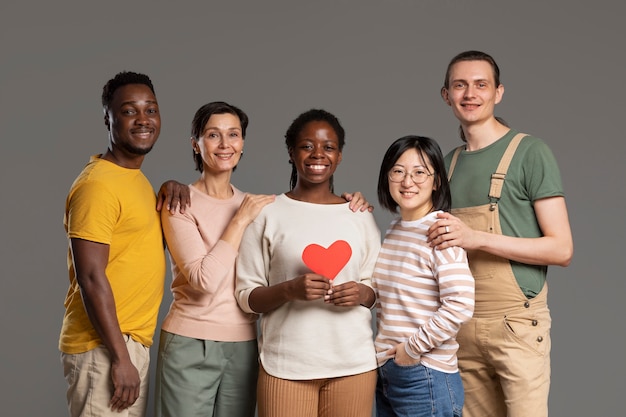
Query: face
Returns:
{"type": "Point", "coordinates": [220, 143]}
{"type": "Point", "coordinates": [133, 120]}
{"type": "Point", "coordinates": [414, 200]}
{"type": "Point", "coordinates": [316, 153]}
{"type": "Point", "coordinates": [472, 92]}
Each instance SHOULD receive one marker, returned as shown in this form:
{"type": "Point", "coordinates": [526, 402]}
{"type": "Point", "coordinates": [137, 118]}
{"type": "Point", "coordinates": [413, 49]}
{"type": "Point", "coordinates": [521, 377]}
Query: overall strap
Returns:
{"type": "Point", "coordinates": [497, 178]}
{"type": "Point", "coordinates": [455, 156]}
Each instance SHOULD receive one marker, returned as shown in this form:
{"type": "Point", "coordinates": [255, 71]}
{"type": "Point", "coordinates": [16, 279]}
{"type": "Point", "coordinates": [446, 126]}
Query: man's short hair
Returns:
{"type": "Point", "coordinates": [121, 79]}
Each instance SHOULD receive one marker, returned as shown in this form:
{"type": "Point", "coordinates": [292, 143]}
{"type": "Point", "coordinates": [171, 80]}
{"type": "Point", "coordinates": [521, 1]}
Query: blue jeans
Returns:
{"type": "Point", "coordinates": [417, 391]}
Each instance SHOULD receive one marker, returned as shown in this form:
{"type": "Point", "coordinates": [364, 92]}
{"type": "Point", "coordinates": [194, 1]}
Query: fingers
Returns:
{"type": "Point", "coordinates": [124, 398]}
{"type": "Point", "coordinates": [314, 286]}
{"type": "Point", "coordinates": [346, 294]}
{"type": "Point", "coordinates": [252, 205]}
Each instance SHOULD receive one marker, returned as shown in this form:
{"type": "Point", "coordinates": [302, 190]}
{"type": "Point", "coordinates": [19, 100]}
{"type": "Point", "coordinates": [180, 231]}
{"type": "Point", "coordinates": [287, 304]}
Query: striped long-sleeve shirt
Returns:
{"type": "Point", "coordinates": [424, 295]}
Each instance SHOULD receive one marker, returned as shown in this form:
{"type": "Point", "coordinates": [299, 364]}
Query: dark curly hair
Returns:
{"type": "Point", "coordinates": [313, 115]}
{"type": "Point", "coordinates": [121, 79]}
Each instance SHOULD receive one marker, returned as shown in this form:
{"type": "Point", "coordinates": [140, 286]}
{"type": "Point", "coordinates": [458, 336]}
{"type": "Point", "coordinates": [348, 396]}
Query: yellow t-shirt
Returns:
{"type": "Point", "coordinates": [113, 205]}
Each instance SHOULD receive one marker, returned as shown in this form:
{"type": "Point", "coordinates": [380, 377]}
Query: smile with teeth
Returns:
{"type": "Point", "coordinates": [143, 133]}
{"type": "Point", "coordinates": [316, 167]}
{"type": "Point", "coordinates": [224, 155]}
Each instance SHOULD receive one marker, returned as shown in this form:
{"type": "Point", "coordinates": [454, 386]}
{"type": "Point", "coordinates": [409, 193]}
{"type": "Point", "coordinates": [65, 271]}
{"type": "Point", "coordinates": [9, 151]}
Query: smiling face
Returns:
{"type": "Point", "coordinates": [220, 143]}
{"type": "Point", "coordinates": [414, 200]}
{"type": "Point", "coordinates": [315, 153]}
{"type": "Point", "coordinates": [472, 91]}
{"type": "Point", "coordinates": [133, 121]}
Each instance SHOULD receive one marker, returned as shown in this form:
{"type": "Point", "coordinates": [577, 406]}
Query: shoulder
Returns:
{"type": "Point", "coordinates": [534, 150]}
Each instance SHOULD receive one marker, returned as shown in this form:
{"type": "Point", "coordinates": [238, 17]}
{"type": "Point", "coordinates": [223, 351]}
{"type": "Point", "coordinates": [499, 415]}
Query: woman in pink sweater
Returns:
{"type": "Point", "coordinates": [207, 360]}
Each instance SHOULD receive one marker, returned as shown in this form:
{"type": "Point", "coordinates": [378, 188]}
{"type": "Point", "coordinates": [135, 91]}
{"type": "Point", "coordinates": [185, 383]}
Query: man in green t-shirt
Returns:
{"type": "Point", "coordinates": [509, 213]}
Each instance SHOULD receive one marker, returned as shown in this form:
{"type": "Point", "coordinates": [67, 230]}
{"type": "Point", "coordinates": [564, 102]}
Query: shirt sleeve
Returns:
{"type": "Point", "coordinates": [204, 268]}
{"type": "Point", "coordinates": [252, 264]}
{"type": "Point", "coordinates": [456, 292]}
{"type": "Point", "coordinates": [92, 212]}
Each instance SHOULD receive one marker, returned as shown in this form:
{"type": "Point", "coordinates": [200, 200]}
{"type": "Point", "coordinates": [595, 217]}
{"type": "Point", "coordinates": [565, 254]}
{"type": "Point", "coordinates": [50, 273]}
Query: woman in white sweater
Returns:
{"type": "Point", "coordinates": [305, 265]}
{"type": "Point", "coordinates": [424, 294]}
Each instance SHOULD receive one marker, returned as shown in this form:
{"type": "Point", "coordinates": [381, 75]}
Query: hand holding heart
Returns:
{"type": "Point", "coordinates": [328, 262]}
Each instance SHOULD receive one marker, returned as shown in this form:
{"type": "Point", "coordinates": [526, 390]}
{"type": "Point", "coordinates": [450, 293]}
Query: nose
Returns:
{"type": "Point", "coordinates": [223, 142]}
{"type": "Point", "coordinates": [143, 119]}
{"type": "Point", "coordinates": [469, 91]}
{"type": "Point", "coordinates": [407, 181]}
{"type": "Point", "coordinates": [318, 152]}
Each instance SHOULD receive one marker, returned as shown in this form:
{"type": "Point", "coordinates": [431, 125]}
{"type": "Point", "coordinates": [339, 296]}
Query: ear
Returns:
{"type": "Point", "coordinates": [194, 146]}
{"type": "Point", "coordinates": [107, 122]}
{"type": "Point", "coordinates": [340, 158]}
{"type": "Point", "coordinates": [499, 93]}
{"type": "Point", "coordinates": [444, 96]}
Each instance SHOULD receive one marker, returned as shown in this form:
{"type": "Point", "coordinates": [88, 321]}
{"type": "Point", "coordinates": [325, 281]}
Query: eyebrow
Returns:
{"type": "Point", "coordinates": [217, 128]}
{"type": "Point", "coordinates": [468, 81]}
{"type": "Point", "coordinates": [414, 166]}
{"type": "Point", "coordinates": [139, 101]}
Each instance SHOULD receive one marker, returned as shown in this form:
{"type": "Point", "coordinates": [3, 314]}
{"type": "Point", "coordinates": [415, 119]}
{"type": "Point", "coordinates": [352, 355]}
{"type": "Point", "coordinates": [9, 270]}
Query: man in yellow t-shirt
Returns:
{"type": "Point", "coordinates": [116, 260]}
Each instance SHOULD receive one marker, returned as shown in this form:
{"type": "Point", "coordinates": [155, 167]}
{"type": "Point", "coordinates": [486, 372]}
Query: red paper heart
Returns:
{"type": "Point", "coordinates": [327, 262]}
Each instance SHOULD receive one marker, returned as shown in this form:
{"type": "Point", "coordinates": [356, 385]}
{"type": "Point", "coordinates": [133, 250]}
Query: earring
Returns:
{"type": "Point", "coordinates": [242, 152]}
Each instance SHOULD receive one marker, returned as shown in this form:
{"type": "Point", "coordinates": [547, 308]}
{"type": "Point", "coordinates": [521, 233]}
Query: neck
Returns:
{"type": "Point", "coordinates": [215, 186]}
{"type": "Point", "coordinates": [480, 136]}
{"type": "Point", "coordinates": [411, 215]}
{"type": "Point", "coordinates": [319, 194]}
{"type": "Point", "coordinates": [124, 161]}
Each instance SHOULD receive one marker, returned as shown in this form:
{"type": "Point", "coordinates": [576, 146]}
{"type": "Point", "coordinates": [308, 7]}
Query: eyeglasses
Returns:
{"type": "Point", "coordinates": [399, 174]}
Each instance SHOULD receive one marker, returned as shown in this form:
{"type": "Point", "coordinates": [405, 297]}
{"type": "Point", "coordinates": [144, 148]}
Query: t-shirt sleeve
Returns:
{"type": "Point", "coordinates": [92, 212]}
{"type": "Point", "coordinates": [543, 178]}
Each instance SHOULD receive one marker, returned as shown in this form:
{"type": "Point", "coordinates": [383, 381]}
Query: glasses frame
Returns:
{"type": "Point", "coordinates": [410, 174]}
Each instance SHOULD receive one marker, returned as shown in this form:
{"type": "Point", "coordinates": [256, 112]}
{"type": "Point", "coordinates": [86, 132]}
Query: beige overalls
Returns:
{"type": "Point", "coordinates": [504, 354]}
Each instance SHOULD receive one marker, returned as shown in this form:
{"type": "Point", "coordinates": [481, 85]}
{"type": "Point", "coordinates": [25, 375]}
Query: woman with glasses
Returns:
{"type": "Point", "coordinates": [424, 295]}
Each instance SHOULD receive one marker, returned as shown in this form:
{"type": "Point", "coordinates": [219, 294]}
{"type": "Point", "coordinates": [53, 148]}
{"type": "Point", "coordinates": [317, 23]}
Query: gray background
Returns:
{"type": "Point", "coordinates": [378, 65]}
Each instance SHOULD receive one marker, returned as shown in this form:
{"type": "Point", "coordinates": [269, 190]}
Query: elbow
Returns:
{"type": "Point", "coordinates": [565, 256]}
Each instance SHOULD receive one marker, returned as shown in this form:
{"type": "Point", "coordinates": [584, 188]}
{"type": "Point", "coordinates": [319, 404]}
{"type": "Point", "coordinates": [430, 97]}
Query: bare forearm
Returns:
{"type": "Point", "coordinates": [544, 250]}
{"type": "Point", "coordinates": [100, 306]}
{"type": "Point", "coordinates": [265, 299]}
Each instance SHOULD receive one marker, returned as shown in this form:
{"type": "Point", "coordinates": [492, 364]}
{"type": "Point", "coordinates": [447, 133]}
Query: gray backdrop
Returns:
{"type": "Point", "coordinates": [379, 66]}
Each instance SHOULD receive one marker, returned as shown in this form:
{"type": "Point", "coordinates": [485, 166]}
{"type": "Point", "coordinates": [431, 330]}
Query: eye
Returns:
{"type": "Point", "coordinates": [153, 111]}
{"type": "Point", "coordinates": [419, 172]}
{"type": "Point", "coordinates": [397, 171]}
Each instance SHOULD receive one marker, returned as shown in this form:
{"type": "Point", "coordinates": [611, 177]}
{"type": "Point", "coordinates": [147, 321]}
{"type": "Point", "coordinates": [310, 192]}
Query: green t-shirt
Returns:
{"type": "Point", "coordinates": [532, 175]}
